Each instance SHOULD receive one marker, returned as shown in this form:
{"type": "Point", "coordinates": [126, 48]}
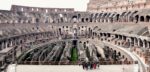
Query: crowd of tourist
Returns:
{"type": "Point", "coordinates": [90, 65]}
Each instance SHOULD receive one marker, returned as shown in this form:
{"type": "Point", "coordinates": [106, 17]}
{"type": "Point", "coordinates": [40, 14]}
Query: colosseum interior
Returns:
{"type": "Point", "coordinates": [110, 36]}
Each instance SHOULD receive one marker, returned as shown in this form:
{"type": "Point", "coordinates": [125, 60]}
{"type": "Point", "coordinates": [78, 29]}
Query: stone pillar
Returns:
{"type": "Point", "coordinates": [4, 46]}
{"type": "Point", "coordinates": [14, 42]}
{"type": "Point", "coordinates": [138, 42]}
{"type": "Point", "coordinates": [144, 46]}
{"type": "Point", "coordinates": [11, 44]}
{"type": "Point", "coordinates": [129, 41]}
{"type": "Point", "coordinates": [135, 42]}
{"type": "Point", "coordinates": [1, 45]}
{"type": "Point", "coordinates": [6, 43]}
{"type": "Point", "coordinates": [148, 45]}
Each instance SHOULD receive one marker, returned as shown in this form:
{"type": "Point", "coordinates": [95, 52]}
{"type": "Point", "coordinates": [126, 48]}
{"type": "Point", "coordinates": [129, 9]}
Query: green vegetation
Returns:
{"type": "Point", "coordinates": [74, 54]}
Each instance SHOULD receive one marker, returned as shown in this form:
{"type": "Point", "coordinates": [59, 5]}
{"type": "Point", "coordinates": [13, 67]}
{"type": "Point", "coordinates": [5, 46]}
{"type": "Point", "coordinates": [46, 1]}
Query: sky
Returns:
{"type": "Point", "coordinates": [78, 5]}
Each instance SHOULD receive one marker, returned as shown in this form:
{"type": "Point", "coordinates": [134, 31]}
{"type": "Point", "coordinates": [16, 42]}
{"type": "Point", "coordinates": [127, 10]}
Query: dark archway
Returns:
{"type": "Point", "coordinates": [37, 20]}
{"type": "Point", "coordinates": [61, 19]}
{"type": "Point", "coordinates": [82, 20]}
{"type": "Point", "coordinates": [131, 18]}
{"type": "Point", "coordinates": [147, 18]}
{"type": "Point", "coordinates": [142, 18]}
{"type": "Point", "coordinates": [60, 31]}
{"type": "Point", "coordinates": [117, 17]}
{"type": "Point", "coordinates": [87, 20]}
{"type": "Point", "coordinates": [79, 15]}
{"type": "Point", "coordinates": [137, 18]}
{"type": "Point", "coordinates": [74, 19]}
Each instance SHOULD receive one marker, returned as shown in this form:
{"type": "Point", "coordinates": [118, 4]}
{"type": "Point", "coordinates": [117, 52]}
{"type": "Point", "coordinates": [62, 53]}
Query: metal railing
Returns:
{"type": "Point", "coordinates": [75, 63]}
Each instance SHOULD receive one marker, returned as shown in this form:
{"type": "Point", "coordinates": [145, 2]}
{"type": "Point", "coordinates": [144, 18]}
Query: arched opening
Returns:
{"type": "Point", "coordinates": [87, 20]}
{"type": "Point", "coordinates": [141, 43]}
{"type": "Point", "coordinates": [82, 20]}
{"type": "Point", "coordinates": [61, 19]}
{"type": "Point", "coordinates": [142, 18]}
{"type": "Point", "coordinates": [119, 54]}
{"type": "Point", "coordinates": [60, 31]}
{"type": "Point", "coordinates": [90, 32]}
{"type": "Point", "coordinates": [107, 17]}
{"type": "Point", "coordinates": [99, 17]}
{"type": "Point", "coordinates": [137, 18]}
{"type": "Point", "coordinates": [122, 16]}
{"type": "Point", "coordinates": [145, 43]}
{"type": "Point", "coordinates": [79, 15]}
{"type": "Point", "coordinates": [65, 18]}
{"type": "Point", "coordinates": [91, 16]}
{"type": "Point", "coordinates": [74, 19]}
{"type": "Point", "coordinates": [117, 17]}
{"type": "Point", "coordinates": [37, 20]}
{"type": "Point", "coordinates": [147, 18]}
{"type": "Point", "coordinates": [131, 18]}
{"type": "Point", "coordinates": [90, 19]}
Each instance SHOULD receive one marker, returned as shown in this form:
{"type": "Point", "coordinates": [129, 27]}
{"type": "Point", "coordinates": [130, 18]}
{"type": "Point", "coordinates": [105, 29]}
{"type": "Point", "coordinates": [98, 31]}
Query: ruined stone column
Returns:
{"type": "Point", "coordinates": [2, 45]}
{"type": "Point", "coordinates": [139, 42]}
{"type": "Point", "coordinates": [144, 46]}
{"type": "Point", "coordinates": [6, 44]}
{"type": "Point", "coordinates": [11, 44]}
{"type": "Point", "coordinates": [135, 43]}
{"type": "Point", "coordinates": [148, 45]}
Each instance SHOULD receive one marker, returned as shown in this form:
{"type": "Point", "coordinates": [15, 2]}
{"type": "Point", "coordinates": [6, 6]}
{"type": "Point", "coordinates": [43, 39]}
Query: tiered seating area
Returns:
{"type": "Point", "coordinates": [45, 36]}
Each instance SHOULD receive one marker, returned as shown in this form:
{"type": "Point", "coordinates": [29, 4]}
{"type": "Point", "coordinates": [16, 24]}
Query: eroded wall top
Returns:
{"type": "Point", "coordinates": [117, 5]}
{"type": "Point", "coordinates": [38, 9]}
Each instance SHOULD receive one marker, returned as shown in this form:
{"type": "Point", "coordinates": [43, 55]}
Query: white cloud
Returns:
{"type": "Point", "coordinates": [79, 5]}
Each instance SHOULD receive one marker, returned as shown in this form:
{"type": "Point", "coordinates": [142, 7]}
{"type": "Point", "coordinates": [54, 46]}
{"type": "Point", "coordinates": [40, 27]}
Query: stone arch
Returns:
{"type": "Point", "coordinates": [141, 43]}
{"type": "Point", "coordinates": [60, 31]}
{"type": "Point", "coordinates": [116, 36]}
{"type": "Point", "coordinates": [120, 36]}
{"type": "Point", "coordinates": [90, 31]}
{"type": "Point", "coordinates": [105, 34]}
{"type": "Point", "coordinates": [144, 43]}
{"type": "Point", "coordinates": [100, 17]}
{"type": "Point", "coordinates": [103, 17]}
{"type": "Point", "coordinates": [82, 20]}
{"type": "Point", "coordinates": [132, 41]}
{"type": "Point", "coordinates": [107, 17]}
{"type": "Point", "coordinates": [119, 53]}
{"type": "Point", "coordinates": [131, 18]}
{"type": "Point", "coordinates": [91, 15]}
{"type": "Point", "coordinates": [95, 27]}
{"type": "Point", "coordinates": [108, 34]}
{"type": "Point", "coordinates": [79, 15]}
{"type": "Point", "coordinates": [61, 17]}
{"type": "Point", "coordinates": [117, 17]}
{"type": "Point", "coordinates": [137, 18]}
{"type": "Point", "coordinates": [37, 20]}
{"type": "Point", "coordinates": [122, 16]}
{"type": "Point", "coordinates": [124, 38]}
{"type": "Point", "coordinates": [65, 18]}
{"type": "Point", "coordinates": [142, 18]}
{"type": "Point", "coordinates": [74, 19]}
{"type": "Point", "coordinates": [91, 20]}
{"type": "Point", "coordinates": [87, 19]}
{"type": "Point", "coordinates": [147, 18]}
{"type": "Point", "coordinates": [96, 17]}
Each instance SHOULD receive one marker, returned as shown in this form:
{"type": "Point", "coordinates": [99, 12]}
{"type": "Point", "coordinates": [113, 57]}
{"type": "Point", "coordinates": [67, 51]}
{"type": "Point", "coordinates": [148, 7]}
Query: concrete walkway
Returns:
{"type": "Point", "coordinates": [68, 68]}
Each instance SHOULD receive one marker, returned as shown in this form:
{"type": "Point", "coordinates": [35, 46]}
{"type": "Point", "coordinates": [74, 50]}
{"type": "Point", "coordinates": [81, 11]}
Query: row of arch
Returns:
{"type": "Point", "coordinates": [86, 17]}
